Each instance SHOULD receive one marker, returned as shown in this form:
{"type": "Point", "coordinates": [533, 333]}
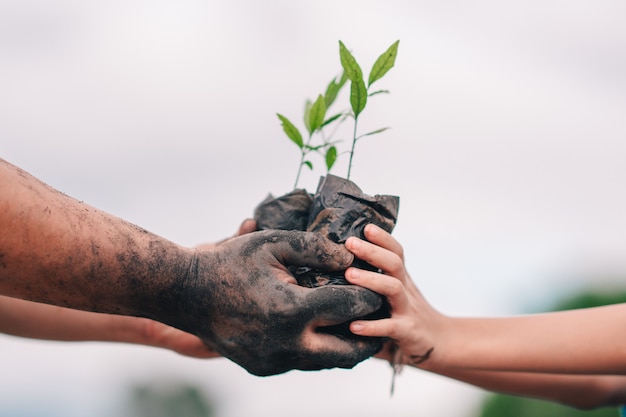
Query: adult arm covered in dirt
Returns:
{"type": "Point", "coordinates": [238, 297]}
{"type": "Point", "coordinates": [49, 322]}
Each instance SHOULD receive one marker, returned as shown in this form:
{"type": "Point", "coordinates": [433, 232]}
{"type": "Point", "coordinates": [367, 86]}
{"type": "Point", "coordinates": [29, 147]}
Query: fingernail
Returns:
{"type": "Point", "coordinates": [353, 243]}
{"type": "Point", "coordinates": [356, 327]}
{"type": "Point", "coordinates": [371, 229]}
{"type": "Point", "coordinates": [353, 273]}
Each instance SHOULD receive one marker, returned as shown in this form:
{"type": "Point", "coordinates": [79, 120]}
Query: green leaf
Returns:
{"type": "Point", "coordinates": [292, 132]}
{"type": "Point", "coordinates": [333, 89]}
{"type": "Point", "coordinates": [331, 119]}
{"type": "Point", "coordinates": [358, 96]}
{"type": "Point", "coordinates": [307, 110]}
{"type": "Point", "coordinates": [384, 63]}
{"type": "Point", "coordinates": [374, 132]}
{"type": "Point", "coordinates": [349, 64]}
{"type": "Point", "coordinates": [344, 78]}
{"type": "Point", "coordinates": [378, 92]}
{"type": "Point", "coordinates": [309, 164]}
{"type": "Point", "coordinates": [331, 157]}
{"type": "Point", "coordinates": [317, 113]}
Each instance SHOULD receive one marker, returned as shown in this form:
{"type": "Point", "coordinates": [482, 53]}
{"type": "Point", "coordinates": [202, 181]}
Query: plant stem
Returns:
{"type": "Point", "coordinates": [303, 153]}
{"type": "Point", "coordinates": [295, 185]}
{"type": "Point", "coordinates": [354, 139]}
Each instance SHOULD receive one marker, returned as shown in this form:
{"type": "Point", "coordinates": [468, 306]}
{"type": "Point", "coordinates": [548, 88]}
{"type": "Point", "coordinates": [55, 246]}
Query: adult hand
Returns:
{"type": "Point", "coordinates": [244, 303]}
{"type": "Point", "coordinates": [155, 333]}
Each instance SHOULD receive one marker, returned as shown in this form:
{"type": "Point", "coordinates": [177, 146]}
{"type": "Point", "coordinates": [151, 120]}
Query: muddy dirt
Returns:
{"type": "Point", "coordinates": [338, 209]}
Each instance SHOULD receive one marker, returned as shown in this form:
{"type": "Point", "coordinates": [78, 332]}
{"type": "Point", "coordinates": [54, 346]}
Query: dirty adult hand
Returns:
{"type": "Point", "coordinates": [238, 296]}
{"type": "Point", "coordinates": [243, 301]}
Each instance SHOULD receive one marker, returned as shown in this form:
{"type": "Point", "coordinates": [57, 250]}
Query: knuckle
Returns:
{"type": "Point", "coordinates": [394, 288]}
{"type": "Point", "coordinates": [400, 254]}
{"type": "Point", "coordinates": [396, 265]}
{"type": "Point", "coordinates": [363, 250]}
{"type": "Point", "coordinates": [392, 330]}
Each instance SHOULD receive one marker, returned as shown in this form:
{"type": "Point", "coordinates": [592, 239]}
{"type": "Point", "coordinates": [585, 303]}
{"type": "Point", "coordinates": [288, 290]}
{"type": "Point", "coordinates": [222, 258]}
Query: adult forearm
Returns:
{"type": "Point", "coordinates": [551, 343]}
{"type": "Point", "coordinates": [57, 250]}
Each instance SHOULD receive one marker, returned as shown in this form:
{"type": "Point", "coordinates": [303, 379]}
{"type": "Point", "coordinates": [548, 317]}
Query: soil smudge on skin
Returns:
{"type": "Point", "coordinates": [418, 359]}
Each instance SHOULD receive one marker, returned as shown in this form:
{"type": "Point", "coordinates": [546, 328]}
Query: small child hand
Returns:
{"type": "Point", "coordinates": [412, 319]}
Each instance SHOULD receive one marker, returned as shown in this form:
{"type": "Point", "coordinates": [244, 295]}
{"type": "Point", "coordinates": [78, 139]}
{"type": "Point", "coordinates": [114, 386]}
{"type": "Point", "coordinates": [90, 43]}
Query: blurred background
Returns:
{"type": "Point", "coordinates": [506, 148]}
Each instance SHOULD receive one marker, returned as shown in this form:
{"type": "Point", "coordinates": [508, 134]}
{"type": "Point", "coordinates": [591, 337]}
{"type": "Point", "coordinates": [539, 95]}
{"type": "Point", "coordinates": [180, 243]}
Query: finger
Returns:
{"type": "Point", "coordinates": [248, 226]}
{"type": "Point", "coordinates": [375, 328]}
{"type": "Point", "coordinates": [309, 249]}
{"type": "Point", "coordinates": [382, 284]}
{"type": "Point", "coordinates": [334, 304]}
{"type": "Point", "coordinates": [326, 350]}
{"type": "Point", "coordinates": [377, 256]}
{"type": "Point", "coordinates": [382, 238]}
{"type": "Point", "coordinates": [199, 352]}
{"type": "Point", "coordinates": [385, 285]}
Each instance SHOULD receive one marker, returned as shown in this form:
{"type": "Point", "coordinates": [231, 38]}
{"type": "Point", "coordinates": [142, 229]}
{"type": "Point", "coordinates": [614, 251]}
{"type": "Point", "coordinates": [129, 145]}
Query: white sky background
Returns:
{"type": "Point", "coordinates": [507, 150]}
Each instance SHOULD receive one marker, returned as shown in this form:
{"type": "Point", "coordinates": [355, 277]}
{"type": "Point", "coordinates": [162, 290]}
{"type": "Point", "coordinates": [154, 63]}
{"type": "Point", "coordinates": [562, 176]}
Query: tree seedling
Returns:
{"type": "Point", "coordinates": [315, 121]}
{"type": "Point", "coordinates": [338, 209]}
{"type": "Point", "coordinates": [359, 92]}
{"type": "Point", "coordinates": [315, 113]}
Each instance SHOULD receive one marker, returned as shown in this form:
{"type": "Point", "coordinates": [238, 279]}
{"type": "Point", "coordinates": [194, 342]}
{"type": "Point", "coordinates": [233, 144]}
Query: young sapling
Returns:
{"type": "Point", "coordinates": [359, 92]}
{"type": "Point", "coordinates": [339, 209]}
{"type": "Point", "coordinates": [315, 121]}
{"type": "Point", "coordinates": [315, 112]}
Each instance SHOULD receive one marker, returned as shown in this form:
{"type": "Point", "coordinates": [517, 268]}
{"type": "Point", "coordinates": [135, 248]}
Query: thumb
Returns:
{"type": "Point", "coordinates": [247, 226]}
{"type": "Point", "coordinates": [295, 248]}
{"type": "Point", "coordinates": [334, 304]}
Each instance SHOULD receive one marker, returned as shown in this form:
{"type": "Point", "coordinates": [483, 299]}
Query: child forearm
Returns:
{"type": "Point", "coordinates": [42, 321]}
{"type": "Point", "coordinates": [578, 341]}
{"type": "Point", "coordinates": [580, 391]}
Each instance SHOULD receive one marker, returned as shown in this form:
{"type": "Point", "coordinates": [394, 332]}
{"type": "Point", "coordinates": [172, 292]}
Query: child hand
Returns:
{"type": "Point", "coordinates": [412, 319]}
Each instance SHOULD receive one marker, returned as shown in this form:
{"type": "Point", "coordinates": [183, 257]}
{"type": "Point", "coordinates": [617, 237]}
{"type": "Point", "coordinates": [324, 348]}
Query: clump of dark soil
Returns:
{"type": "Point", "coordinates": [338, 209]}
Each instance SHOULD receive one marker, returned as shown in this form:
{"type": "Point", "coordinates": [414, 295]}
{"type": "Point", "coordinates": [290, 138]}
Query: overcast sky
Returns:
{"type": "Point", "coordinates": [506, 148]}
